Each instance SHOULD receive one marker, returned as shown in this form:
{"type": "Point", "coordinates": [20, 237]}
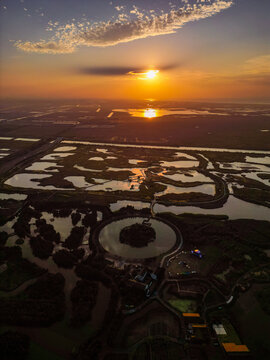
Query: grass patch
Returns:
{"type": "Point", "coordinates": [38, 352]}
{"type": "Point", "coordinates": [184, 305]}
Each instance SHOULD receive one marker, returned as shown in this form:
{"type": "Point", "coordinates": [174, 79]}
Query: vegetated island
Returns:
{"type": "Point", "coordinates": [137, 235]}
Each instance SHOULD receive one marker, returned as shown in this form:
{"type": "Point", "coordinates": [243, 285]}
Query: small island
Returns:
{"type": "Point", "coordinates": [137, 235]}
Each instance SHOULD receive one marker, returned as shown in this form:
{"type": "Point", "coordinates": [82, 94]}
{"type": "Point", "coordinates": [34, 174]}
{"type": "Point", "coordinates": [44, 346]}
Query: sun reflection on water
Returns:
{"type": "Point", "coordinates": [150, 113]}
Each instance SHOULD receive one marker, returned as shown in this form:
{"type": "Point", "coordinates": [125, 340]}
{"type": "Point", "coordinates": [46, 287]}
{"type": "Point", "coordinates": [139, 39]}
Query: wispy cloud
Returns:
{"type": "Point", "coordinates": [259, 64]}
{"type": "Point", "coordinates": [253, 72]}
{"type": "Point", "coordinates": [120, 70]}
{"type": "Point", "coordinates": [45, 47]}
{"type": "Point", "coordinates": [127, 27]}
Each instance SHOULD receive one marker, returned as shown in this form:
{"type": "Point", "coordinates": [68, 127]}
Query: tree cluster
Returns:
{"type": "Point", "coordinates": [74, 240]}
{"type": "Point", "coordinates": [14, 346]}
{"type": "Point", "coordinates": [41, 304]}
{"type": "Point", "coordinates": [83, 298]}
{"type": "Point", "coordinates": [137, 235]}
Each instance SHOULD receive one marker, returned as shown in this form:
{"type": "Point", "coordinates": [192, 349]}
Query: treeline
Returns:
{"type": "Point", "coordinates": [22, 226]}
{"type": "Point", "coordinates": [41, 304]}
{"type": "Point", "coordinates": [74, 240]}
{"type": "Point", "coordinates": [65, 208]}
{"type": "Point", "coordinates": [43, 244]}
{"type": "Point", "coordinates": [137, 235]}
{"type": "Point", "coordinates": [18, 269]}
{"type": "Point", "coordinates": [67, 259]}
{"type": "Point", "coordinates": [89, 273]}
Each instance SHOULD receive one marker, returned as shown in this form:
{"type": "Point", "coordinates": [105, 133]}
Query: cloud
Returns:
{"type": "Point", "coordinates": [120, 70]}
{"type": "Point", "coordinates": [127, 27]}
{"type": "Point", "coordinates": [253, 72]}
{"type": "Point", "coordinates": [43, 47]}
{"type": "Point", "coordinates": [259, 64]}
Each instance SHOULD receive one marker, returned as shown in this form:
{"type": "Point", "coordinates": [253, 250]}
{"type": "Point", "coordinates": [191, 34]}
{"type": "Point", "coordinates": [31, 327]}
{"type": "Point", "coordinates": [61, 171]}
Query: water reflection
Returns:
{"type": "Point", "coordinates": [109, 239]}
{"type": "Point", "coordinates": [150, 113]}
{"type": "Point", "coordinates": [234, 208]}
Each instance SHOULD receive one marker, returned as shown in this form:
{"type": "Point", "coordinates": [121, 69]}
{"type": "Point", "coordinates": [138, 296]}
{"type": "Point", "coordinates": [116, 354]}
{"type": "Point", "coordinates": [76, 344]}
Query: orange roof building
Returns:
{"type": "Point", "coordinates": [191, 315]}
{"type": "Point", "coordinates": [199, 325]}
{"type": "Point", "coordinates": [232, 347]}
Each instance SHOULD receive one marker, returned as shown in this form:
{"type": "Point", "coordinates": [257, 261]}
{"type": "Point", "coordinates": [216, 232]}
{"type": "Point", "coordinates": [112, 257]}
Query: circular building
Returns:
{"type": "Point", "coordinates": [163, 237]}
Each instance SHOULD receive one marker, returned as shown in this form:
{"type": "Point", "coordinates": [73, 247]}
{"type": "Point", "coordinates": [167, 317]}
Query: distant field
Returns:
{"type": "Point", "coordinates": [204, 125]}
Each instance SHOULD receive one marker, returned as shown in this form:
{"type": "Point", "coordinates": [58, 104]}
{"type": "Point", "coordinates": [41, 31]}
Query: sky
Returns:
{"type": "Point", "coordinates": [196, 49]}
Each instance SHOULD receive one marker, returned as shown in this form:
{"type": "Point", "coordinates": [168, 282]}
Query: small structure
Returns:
{"type": "Point", "coordinates": [201, 326]}
{"type": "Point", "coordinates": [197, 253]}
{"type": "Point", "coordinates": [147, 281]}
{"type": "Point", "coordinates": [219, 329]}
{"type": "Point", "coordinates": [141, 278]}
{"type": "Point", "coordinates": [233, 348]}
{"type": "Point", "coordinates": [197, 315]}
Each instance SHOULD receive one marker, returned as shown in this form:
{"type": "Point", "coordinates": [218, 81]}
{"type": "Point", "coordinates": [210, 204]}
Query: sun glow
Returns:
{"type": "Point", "coordinates": [151, 74]}
{"type": "Point", "coordinates": [150, 113]}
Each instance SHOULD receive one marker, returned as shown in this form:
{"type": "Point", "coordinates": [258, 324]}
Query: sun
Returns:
{"type": "Point", "coordinates": [150, 113]}
{"type": "Point", "coordinates": [151, 74]}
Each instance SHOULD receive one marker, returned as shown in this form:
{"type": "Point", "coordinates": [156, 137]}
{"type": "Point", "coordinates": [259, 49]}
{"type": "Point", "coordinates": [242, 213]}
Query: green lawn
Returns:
{"type": "Point", "coordinates": [184, 305]}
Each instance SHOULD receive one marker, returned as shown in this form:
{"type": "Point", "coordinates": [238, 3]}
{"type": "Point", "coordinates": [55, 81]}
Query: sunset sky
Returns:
{"type": "Point", "coordinates": [199, 49]}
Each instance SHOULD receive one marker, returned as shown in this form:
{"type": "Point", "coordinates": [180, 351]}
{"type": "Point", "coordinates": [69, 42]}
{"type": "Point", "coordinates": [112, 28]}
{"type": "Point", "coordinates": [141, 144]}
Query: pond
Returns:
{"type": "Point", "coordinates": [104, 185]}
{"type": "Point", "coordinates": [26, 139]}
{"type": "Point", "coordinates": [258, 160]}
{"type": "Point", "coordinates": [104, 151]}
{"type": "Point", "coordinates": [134, 161]}
{"type": "Point", "coordinates": [96, 158]}
{"type": "Point", "coordinates": [204, 189]}
{"type": "Point", "coordinates": [14, 196]}
{"type": "Point", "coordinates": [82, 168]}
{"type": "Point", "coordinates": [187, 177]}
{"type": "Point", "coordinates": [180, 164]}
{"type": "Point", "coordinates": [65, 148]}
{"type": "Point", "coordinates": [109, 239]}
{"type": "Point", "coordinates": [31, 181]}
{"type": "Point", "coordinates": [56, 156]}
{"type": "Point", "coordinates": [243, 166]}
{"type": "Point", "coordinates": [184, 155]}
{"type": "Point", "coordinates": [254, 176]}
{"type": "Point", "coordinates": [234, 208]}
{"type": "Point", "coordinates": [44, 166]}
